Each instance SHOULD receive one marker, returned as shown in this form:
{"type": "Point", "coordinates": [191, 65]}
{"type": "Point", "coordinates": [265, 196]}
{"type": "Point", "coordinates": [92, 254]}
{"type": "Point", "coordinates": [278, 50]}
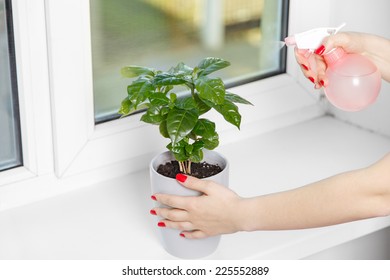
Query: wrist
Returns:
{"type": "Point", "coordinates": [247, 215]}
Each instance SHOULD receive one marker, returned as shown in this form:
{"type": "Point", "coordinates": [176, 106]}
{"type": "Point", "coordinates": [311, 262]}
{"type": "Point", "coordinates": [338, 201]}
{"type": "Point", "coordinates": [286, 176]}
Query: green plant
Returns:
{"type": "Point", "coordinates": [179, 118]}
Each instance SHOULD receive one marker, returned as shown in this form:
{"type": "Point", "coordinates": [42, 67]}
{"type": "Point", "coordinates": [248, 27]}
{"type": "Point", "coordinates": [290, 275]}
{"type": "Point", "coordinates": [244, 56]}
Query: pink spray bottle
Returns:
{"type": "Point", "coordinates": [354, 81]}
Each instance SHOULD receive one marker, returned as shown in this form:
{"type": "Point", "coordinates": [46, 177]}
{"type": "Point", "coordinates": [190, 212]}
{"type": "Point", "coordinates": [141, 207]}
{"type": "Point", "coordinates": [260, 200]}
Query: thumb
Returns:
{"type": "Point", "coordinates": [341, 40]}
{"type": "Point", "coordinates": [193, 183]}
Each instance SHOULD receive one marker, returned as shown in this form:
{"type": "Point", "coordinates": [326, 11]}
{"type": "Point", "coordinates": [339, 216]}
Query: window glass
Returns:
{"type": "Point", "coordinates": [10, 147]}
{"type": "Point", "coordinates": [161, 33]}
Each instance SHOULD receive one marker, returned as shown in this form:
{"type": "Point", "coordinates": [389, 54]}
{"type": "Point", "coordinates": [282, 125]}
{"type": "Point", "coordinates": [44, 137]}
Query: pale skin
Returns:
{"type": "Point", "coordinates": [350, 196]}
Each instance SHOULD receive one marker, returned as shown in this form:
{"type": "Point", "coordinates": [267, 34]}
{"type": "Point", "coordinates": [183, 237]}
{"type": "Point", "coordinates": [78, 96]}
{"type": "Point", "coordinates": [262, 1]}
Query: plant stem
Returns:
{"type": "Point", "coordinates": [185, 167]}
{"type": "Point", "coordinates": [193, 92]}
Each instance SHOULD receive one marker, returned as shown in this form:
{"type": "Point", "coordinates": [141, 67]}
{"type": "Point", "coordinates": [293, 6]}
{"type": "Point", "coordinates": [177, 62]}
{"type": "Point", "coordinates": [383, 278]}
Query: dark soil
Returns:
{"type": "Point", "coordinates": [199, 170]}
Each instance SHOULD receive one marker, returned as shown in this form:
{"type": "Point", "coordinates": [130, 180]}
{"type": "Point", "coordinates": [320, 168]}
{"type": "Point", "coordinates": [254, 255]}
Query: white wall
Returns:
{"type": "Point", "coordinates": [370, 16]}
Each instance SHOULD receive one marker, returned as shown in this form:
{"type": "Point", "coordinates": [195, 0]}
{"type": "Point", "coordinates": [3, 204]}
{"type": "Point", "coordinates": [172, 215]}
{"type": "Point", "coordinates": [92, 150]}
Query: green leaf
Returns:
{"type": "Point", "coordinates": [164, 111]}
{"type": "Point", "coordinates": [184, 151]}
{"type": "Point", "coordinates": [167, 79]}
{"type": "Point", "coordinates": [204, 128]}
{"type": "Point", "coordinates": [126, 107]}
{"type": "Point", "coordinates": [135, 71]}
{"type": "Point", "coordinates": [179, 150]}
{"type": "Point", "coordinates": [180, 123]}
{"type": "Point", "coordinates": [163, 129]}
{"type": "Point", "coordinates": [186, 103]}
{"type": "Point", "coordinates": [139, 90]}
{"type": "Point", "coordinates": [211, 64]}
{"type": "Point", "coordinates": [202, 106]}
{"type": "Point", "coordinates": [236, 98]}
{"type": "Point", "coordinates": [197, 151]}
{"type": "Point", "coordinates": [166, 89]}
{"type": "Point", "coordinates": [212, 90]}
{"type": "Point", "coordinates": [158, 99]}
{"type": "Point", "coordinates": [173, 97]}
{"type": "Point", "coordinates": [188, 149]}
{"type": "Point", "coordinates": [181, 70]}
{"type": "Point", "coordinates": [212, 142]}
{"type": "Point", "coordinates": [230, 113]}
{"type": "Point", "coordinates": [152, 116]}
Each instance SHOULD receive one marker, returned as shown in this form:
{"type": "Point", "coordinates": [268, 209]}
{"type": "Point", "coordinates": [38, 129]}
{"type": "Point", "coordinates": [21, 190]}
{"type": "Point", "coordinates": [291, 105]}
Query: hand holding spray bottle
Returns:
{"type": "Point", "coordinates": [354, 81]}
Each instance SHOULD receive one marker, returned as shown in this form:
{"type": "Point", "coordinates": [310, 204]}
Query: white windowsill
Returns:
{"type": "Point", "coordinates": [111, 220]}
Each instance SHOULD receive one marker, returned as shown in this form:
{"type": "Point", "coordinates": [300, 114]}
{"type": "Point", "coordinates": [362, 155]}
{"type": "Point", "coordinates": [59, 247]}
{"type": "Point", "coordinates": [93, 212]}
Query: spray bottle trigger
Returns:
{"type": "Point", "coordinates": [311, 39]}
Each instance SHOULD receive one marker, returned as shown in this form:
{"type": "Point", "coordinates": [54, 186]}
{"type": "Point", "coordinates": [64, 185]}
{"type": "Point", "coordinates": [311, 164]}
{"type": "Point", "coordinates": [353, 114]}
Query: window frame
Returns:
{"type": "Point", "coordinates": [63, 147]}
{"type": "Point", "coordinates": [29, 31]}
{"type": "Point", "coordinates": [13, 84]}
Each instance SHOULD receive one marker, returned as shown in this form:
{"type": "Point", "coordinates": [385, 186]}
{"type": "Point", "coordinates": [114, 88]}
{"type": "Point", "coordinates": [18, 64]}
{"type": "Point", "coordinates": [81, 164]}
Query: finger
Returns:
{"type": "Point", "coordinates": [343, 40]}
{"type": "Point", "coordinates": [193, 183]}
{"type": "Point", "coordinates": [207, 187]}
{"type": "Point", "coordinates": [185, 226]}
{"type": "Point", "coordinates": [301, 57]}
{"type": "Point", "coordinates": [174, 201]}
{"type": "Point", "coordinates": [196, 234]}
{"type": "Point", "coordinates": [175, 215]}
{"type": "Point", "coordinates": [337, 40]}
{"type": "Point", "coordinates": [321, 66]}
{"type": "Point", "coordinates": [306, 61]}
{"type": "Point", "coordinates": [304, 53]}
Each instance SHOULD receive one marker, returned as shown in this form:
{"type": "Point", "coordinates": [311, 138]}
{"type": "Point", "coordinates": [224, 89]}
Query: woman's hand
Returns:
{"type": "Point", "coordinates": [376, 48]}
{"type": "Point", "coordinates": [215, 212]}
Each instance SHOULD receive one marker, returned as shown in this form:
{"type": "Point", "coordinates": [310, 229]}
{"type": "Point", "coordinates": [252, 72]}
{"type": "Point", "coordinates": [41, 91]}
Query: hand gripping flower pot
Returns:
{"type": "Point", "coordinates": [179, 118]}
{"type": "Point", "coordinates": [170, 238]}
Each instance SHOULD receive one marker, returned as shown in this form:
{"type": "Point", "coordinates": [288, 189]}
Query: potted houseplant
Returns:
{"type": "Point", "coordinates": [191, 136]}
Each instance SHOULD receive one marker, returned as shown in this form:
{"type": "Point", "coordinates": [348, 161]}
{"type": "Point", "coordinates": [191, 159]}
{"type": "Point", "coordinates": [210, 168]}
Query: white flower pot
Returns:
{"type": "Point", "coordinates": [170, 238]}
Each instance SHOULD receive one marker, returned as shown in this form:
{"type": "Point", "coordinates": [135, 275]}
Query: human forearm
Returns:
{"type": "Point", "coordinates": [378, 49]}
{"type": "Point", "coordinates": [342, 198]}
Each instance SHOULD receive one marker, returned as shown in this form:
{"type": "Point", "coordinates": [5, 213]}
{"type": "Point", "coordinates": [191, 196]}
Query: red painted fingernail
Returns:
{"type": "Point", "coordinates": [311, 79]}
{"type": "Point", "coordinates": [320, 50]}
{"type": "Point", "coordinates": [153, 212]}
{"type": "Point", "coordinates": [182, 235]}
{"type": "Point", "coordinates": [161, 224]}
{"type": "Point", "coordinates": [322, 83]}
{"type": "Point", "coordinates": [304, 67]}
{"type": "Point", "coordinates": [153, 197]}
{"type": "Point", "coordinates": [181, 177]}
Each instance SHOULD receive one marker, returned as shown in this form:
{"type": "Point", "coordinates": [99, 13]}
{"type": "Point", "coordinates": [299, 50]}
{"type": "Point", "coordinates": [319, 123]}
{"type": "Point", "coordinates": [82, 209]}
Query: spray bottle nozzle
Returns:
{"type": "Point", "coordinates": [311, 39]}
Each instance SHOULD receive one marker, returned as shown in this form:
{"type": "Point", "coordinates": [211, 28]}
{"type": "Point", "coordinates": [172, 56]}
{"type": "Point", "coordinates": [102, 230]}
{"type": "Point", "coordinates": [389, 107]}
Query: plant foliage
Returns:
{"type": "Point", "coordinates": [179, 118]}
